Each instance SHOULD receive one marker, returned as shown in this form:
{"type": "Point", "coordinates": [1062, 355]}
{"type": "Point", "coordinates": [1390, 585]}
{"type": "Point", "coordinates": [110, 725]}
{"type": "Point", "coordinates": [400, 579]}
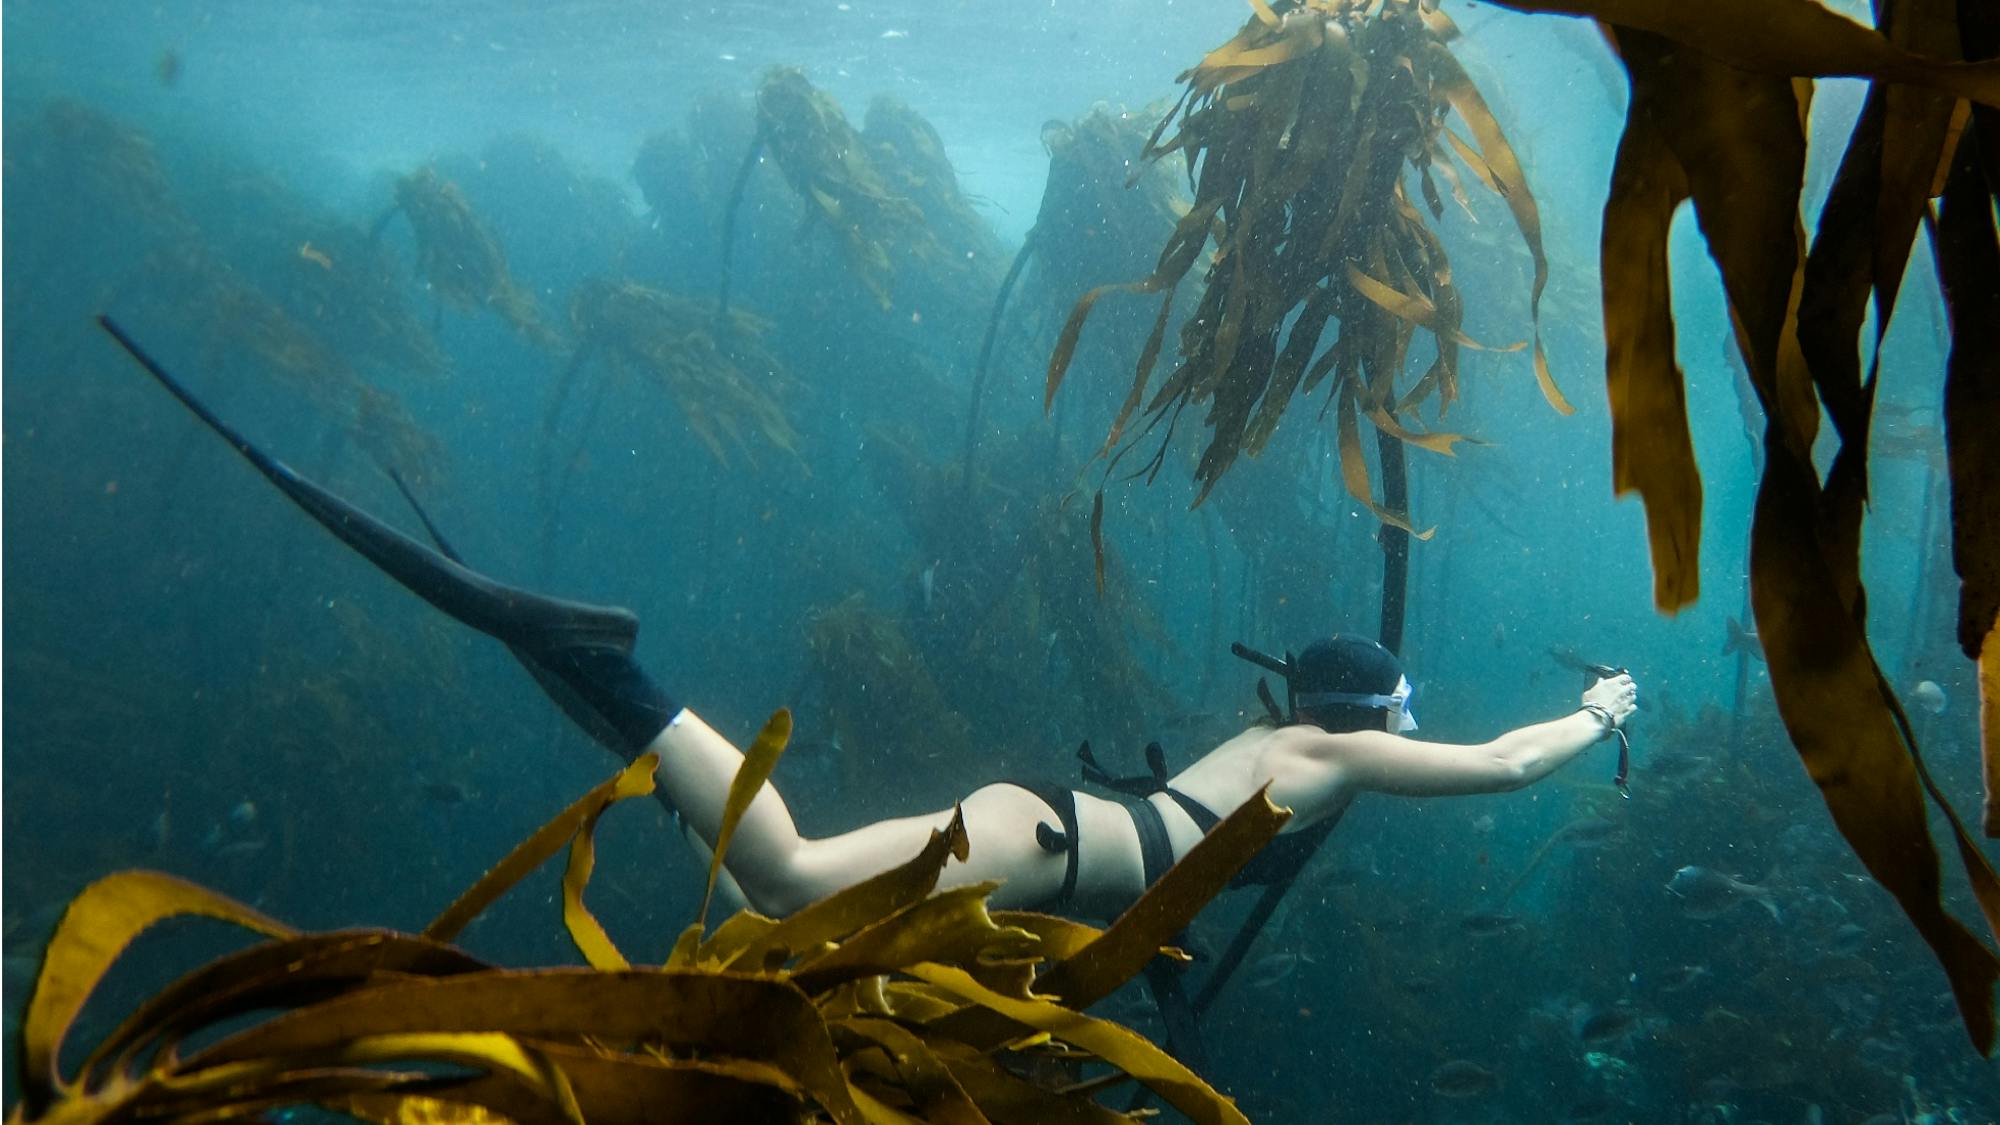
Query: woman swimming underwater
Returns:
{"type": "Point", "coordinates": [1050, 847]}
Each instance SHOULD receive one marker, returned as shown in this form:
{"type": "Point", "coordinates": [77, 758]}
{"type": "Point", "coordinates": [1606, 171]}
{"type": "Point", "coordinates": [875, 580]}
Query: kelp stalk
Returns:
{"type": "Point", "coordinates": [985, 363]}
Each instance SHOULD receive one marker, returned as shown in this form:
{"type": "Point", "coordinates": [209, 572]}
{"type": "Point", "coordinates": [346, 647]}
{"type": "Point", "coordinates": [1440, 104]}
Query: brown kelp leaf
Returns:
{"type": "Point", "coordinates": [685, 1011]}
{"type": "Point", "coordinates": [1989, 726]}
{"type": "Point", "coordinates": [1415, 308]}
{"type": "Point", "coordinates": [1782, 37]}
{"type": "Point", "coordinates": [94, 931]}
{"type": "Point", "coordinates": [536, 849]}
{"type": "Point", "coordinates": [920, 1073]}
{"type": "Point", "coordinates": [273, 974]}
{"type": "Point", "coordinates": [1829, 694]}
{"type": "Point", "coordinates": [1008, 1099]}
{"type": "Point", "coordinates": [849, 909]}
{"type": "Point", "coordinates": [1097, 538]}
{"type": "Point", "coordinates": [1061, 938]}
{"type": "Point", "coordinates": [758, 762]}
{"type": "Point", "coordinates": [1496, 156]}
{"type": "Point", "coordinates": [1119, 1046]}
{"type": "Point", "coordinates": [492, 1052]}
{"type": "Point", "coordinates": [1651, 450]}
{"type": "Point", "coordinates": [637, 1088]}
{"type": "Point", "coordinates": [1354, 464]}
{"type": "Point", "coordinates": [584, 928]}
{"type": "Point", "coordinates": [950, 926]}
{"type": "Point", "coordinates": [1969, 269]}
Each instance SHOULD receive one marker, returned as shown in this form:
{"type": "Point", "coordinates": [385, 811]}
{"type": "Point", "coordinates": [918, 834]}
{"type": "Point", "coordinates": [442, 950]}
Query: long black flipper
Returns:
{"type": "Point", "coordinates": [573, 705]}
{"type": "Point", "coordinates": [504, 612]}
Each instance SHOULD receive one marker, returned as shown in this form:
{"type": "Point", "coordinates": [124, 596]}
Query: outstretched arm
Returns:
{"type": "Point", "coordinates": [1386, 763]}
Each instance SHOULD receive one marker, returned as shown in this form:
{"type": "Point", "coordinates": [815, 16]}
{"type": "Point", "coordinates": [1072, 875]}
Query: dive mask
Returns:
{"type": "Point", "coordinates": [1397, 703]}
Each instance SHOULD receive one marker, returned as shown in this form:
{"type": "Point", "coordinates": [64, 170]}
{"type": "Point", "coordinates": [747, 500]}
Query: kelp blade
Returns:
{"type": "Point", "coordinates": [536, 849]}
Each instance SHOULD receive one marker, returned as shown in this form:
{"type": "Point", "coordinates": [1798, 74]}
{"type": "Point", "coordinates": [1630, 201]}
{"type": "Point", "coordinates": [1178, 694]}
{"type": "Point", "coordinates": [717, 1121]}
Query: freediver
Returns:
{"type": "Point", "coordinates": [1051, 847]}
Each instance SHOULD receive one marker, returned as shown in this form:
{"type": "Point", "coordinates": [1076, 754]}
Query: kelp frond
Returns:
{"type": "Point", "coordinates": [1717, 117]}
{"type": "Point", "coordinates": [727, 390]}
{"type": "Point", "coordinates": [1302, 136]}
{"type": "Point", "coordinates": [887, 1001]}
{"type": "Point", "coordinates": [460, 257]}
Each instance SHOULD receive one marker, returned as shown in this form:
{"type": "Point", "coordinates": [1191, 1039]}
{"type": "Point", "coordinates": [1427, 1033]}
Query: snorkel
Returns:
{"type": "Point", "coordinates": [1302, 692]}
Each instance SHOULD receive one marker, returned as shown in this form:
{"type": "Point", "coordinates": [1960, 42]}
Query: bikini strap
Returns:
{"type": "Point", "coordinates": [1062, 801]}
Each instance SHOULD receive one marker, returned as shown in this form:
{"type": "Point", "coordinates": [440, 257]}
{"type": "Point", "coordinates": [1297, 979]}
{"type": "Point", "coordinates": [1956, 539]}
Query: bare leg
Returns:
{"type": "Point", "coordinates": [781, 871]}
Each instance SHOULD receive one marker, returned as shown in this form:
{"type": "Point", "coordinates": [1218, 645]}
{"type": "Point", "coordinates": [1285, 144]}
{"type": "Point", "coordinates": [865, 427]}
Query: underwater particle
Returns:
{"type": "Point", "coordinates": [314, 255]}
{"type": "Point", "coordinates": [244, 814]}
{"type": "Point", "coordinates": [1463, 1078]}
{"type": "Point", "coordinates": [1930, 696]}
{"type": "Point", "coordinates": [168, 67]}
{"type": "Point", "coordinates": [1679, 977]}
{"type": "Point", "coordinates": [895, 33]}
{"type": "Point", "coordinates": [1708, 894]}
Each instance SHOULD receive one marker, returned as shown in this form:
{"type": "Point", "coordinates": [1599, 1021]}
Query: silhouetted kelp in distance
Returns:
{"type": "Point", "coordinates": [459, 258]}
{"type": "Point", "coordinates": [886, 1001]}
{"type": "Point", "coordinates": [1717, 117]}
{"type": "Point", "coordinates": [831, 169]}
{"type": "Point", "coordinates": [1103, 206]}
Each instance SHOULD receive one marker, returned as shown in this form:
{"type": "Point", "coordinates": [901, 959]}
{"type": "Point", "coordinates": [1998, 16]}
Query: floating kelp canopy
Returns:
{"type": "Point", "coordinates": [726, 394]}
{"type": "Point", "coordinates": [459, 257]}
{"type": "Point", "coordinates": [1717, 117]}
{"type": "Point", "coordinates": [1302, 135]}
{"type": "Point", "coordinates": [889, 1001]}
{"type": "Point", "coordinates": [831, 169]}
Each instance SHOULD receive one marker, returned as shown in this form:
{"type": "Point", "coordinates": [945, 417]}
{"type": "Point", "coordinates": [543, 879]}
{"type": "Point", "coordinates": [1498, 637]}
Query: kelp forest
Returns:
{"type": "Point", "coordinates": [981, 451]}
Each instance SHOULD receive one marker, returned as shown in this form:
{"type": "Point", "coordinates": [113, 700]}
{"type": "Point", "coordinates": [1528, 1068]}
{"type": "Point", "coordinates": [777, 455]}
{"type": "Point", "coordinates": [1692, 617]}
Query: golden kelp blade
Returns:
{"type": "Point", "coordinates": [1652, 451]}
{"type": "Point", "coordinates": [758, 762]}
{"type": "Point", "coordinates": [1783, 37]}
{"type": "Point", "coordinates": [847, 910]}
{"type": "Point", "coordinates": [1121, 1047]}
{"type": "Point", "coordinates": [275, 974]}
{"type": "Point", "coordinates": [96, 928]}
{"type": "Point", "coordinates": [1737, 139]}
{"type": "Point", "coordinates": [1964, 241]}
{"type": "Point", "coordinates": [740, 1017]}
{"type": "Point", "coordinates": [584, 929]}
{"type": "Point", "coordinates": [531, 853]}
{"type": "Point", "coordinates": [950, 926]}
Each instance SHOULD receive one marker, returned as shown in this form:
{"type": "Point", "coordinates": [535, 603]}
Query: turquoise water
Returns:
{"type": "Point", "coordinates": [199, 680]}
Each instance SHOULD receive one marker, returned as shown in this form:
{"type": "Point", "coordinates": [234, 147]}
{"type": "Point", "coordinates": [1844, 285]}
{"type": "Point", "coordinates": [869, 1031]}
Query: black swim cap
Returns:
{"type": "Point", "coordinates": [1350, 669]}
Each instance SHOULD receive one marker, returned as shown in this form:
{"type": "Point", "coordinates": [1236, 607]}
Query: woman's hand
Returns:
{"type": "Point", "coordinates": [1618, 695]}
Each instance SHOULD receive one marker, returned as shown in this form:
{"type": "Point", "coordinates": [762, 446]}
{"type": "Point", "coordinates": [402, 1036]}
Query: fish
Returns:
{"type": "Point", "coordinates": [1739, 639]}
{"type": "Point", "coordinates": [1708, 894]}
{"type": "Point", "coordinates": [1930, 696]}
{"type": "Point", "coordinates": [1589, 831]}
{"type": "Point", "coordinates": [1463, 1078]}
{"type": "Point", "coordinates": [1487, 924]}
{"type": "Point", "coordinates": [1606, 1026]}
{"type": "Point", "coordinates": [315, 256]}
